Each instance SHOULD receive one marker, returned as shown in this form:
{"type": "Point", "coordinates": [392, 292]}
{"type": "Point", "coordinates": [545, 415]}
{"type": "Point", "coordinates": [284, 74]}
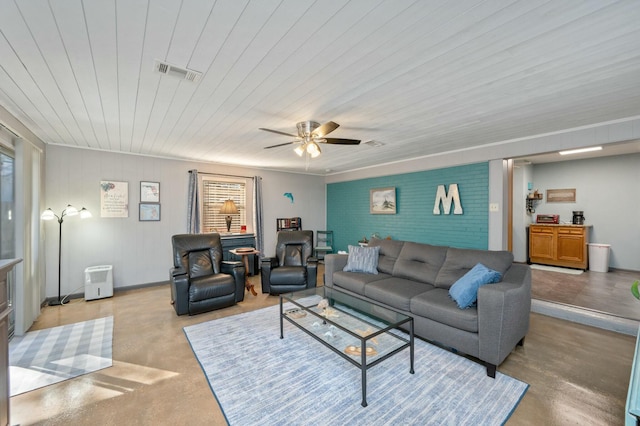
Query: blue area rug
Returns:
{"type": "Point", "coordinates": [43, 357]}
{"type": "Point", "coordinates": [260, 379]}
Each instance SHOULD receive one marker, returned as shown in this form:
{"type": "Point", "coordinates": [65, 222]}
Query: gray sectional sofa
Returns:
{"type": "Point", "coordinates": [415, 278]}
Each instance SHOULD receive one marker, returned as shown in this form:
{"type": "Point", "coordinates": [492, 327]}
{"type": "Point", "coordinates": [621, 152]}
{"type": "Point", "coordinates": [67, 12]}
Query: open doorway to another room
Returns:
{"type": "Point", "coordinates": [606, 191]}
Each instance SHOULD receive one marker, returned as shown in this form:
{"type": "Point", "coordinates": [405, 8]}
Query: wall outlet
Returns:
{"type": "Point", "coordinates": [494, 207]}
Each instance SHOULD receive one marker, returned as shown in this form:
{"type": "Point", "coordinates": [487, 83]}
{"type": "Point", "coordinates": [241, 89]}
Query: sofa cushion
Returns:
{"type": "Point", "coordinates": [292, 255]}
{"type": "Point", "coordinates": [356, 281]}
{"type": "Point", "coordinates": [465, 290]}
{"type": "Point", "coordinates": [389, 252]}
{"type": "Point", "coordinates": [200, 263]}
{"type": "Point", "coordinates": [459, 261]}
{"type": "Point", "coordinates": [211, 286]}
{"type": "Point", "coordinates": [288, 275]}
{"type": "Point", "coordinates": [438, 306]}
{"type": "Point", "coordinates": [419, 262]}
{"type": "Point", "coordinates": [362, 259]}
{"type": "Point", "coordinates": [395, 292]}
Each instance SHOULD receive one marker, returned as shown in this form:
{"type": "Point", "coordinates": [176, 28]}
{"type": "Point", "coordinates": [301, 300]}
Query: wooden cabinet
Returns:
{"type": "Point", "coordinates": [559, 245]}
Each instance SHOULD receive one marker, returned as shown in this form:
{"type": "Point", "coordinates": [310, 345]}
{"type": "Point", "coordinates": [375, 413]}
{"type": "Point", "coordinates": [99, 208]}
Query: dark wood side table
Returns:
{"type": "Point", "coordinates": [245, 253]}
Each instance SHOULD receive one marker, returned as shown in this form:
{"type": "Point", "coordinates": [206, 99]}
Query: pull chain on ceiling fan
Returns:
{"type": "Point", "coordinates": [310, 135]}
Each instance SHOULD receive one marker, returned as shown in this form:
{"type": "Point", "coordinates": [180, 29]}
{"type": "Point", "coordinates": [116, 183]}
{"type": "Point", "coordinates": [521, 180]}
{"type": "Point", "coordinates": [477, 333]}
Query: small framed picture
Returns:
{"type": "Point", "coordinates": [149, 192]}
{"type": "Point", "coordinates": [149, 212]}
{"type": "Point", "coordinates": [382, 201]}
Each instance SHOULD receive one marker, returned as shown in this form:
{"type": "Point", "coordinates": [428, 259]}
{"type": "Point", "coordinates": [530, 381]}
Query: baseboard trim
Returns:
{"type": "Point", "coordinates": [586, 317]}
{"type": "Point", "coordinates": [115, 290]}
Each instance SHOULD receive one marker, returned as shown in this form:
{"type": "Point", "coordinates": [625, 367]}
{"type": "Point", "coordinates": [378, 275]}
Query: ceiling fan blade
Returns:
{"type": "Point", "coordinates": [325, 129]}
{"type": "Point", "coordinates": [278, 132]}
{"type": "Point", "coordinates": [337, 141]}
{"type": "Point", "coordinates": [280, 144]}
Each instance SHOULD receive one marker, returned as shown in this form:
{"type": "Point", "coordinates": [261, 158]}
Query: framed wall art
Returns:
{"type": "Point", "coordinates": [382, 201]}
{"type": "Point", "coordinates": [149, 212]}
{"type": "Point", "coordinates": [149, 192]}
{"type": "Point", "coordinates": [561, 195]}
{"type": "Point", "coordinates": [114, 198]}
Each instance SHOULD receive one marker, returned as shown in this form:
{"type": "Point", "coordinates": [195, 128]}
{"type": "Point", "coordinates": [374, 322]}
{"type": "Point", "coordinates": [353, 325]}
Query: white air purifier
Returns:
{"type": "Point", "coordinates": [98, 282]}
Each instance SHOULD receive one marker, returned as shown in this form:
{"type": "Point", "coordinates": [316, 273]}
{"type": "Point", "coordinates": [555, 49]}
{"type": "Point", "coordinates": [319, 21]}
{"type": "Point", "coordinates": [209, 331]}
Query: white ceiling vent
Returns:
{"type": "Point", "coordinates": [178, 72]}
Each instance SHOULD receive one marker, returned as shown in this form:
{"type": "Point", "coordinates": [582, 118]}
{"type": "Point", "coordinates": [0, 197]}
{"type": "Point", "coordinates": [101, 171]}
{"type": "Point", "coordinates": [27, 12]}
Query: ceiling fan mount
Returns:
{"type": "Point", "coordinates": [310, 134]}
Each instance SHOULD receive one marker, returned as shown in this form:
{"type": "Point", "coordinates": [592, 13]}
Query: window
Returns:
{"type": "Point", "coordinates": [7, 232]}
{"type": "Point", "coordinates": [215, 191]}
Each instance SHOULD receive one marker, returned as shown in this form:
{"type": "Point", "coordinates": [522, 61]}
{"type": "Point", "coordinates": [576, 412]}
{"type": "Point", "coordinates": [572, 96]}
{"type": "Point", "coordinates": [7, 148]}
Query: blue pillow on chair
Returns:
{"type": "Point", "coordinates": [465, 290]}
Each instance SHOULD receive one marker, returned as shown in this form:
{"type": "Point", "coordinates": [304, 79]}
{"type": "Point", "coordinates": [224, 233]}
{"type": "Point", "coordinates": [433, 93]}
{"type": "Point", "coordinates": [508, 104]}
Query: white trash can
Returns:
{"type": "Point", "coordinates": [599, 257]}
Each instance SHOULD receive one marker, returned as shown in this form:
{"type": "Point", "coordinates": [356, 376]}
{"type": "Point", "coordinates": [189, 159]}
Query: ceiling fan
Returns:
{"type": "Point", "coordinates": [310, 134]}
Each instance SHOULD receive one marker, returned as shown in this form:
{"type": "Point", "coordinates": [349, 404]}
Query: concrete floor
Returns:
{"type": "Point", "coordinates": [577, 374]}
{"type": "Point", "coordinates": [608, 292]}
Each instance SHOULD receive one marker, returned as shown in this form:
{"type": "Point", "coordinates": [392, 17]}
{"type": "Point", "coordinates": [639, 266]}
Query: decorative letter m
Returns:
{"type": "Point", "coordinates": [441, 195]}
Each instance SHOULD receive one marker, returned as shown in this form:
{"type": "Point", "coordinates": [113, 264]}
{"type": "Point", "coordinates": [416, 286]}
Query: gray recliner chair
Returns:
{"type": "Point", "coordinates": [293, 268]}
{"type": "Point", "coordinates": [200, 280]}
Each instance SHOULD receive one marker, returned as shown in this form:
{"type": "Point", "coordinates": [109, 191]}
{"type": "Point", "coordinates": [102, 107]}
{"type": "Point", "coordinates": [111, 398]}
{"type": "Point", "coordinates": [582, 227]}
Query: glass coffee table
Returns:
{"type": "Point", "coordinates": [358, 330]}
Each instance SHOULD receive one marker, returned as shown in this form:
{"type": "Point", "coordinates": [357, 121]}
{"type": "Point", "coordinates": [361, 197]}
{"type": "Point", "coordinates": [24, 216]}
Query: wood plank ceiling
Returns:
{"type": "Point", "coordinates": [421, 77]}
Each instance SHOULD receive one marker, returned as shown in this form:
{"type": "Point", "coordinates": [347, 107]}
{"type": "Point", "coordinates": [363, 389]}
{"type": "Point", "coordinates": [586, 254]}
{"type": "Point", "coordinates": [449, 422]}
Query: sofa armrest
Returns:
{"type": "Point", "coordinates": [503, 314]}
{"type": "Point", "coordinates": [333, 262]}
{"type": "Point", "coordinates": [237, 270]}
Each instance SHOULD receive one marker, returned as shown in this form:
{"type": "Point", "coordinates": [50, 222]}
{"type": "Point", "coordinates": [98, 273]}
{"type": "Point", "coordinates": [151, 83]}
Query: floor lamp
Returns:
{"type": "Point", "coordinates": [48, 214]}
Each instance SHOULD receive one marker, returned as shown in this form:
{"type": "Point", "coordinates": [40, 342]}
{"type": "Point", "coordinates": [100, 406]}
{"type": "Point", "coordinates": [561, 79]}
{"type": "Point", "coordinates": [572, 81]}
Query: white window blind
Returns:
{"type": "Point", "coordinates": [214, 194]}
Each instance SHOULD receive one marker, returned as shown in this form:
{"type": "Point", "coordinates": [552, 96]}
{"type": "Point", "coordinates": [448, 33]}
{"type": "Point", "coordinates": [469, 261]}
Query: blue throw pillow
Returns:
{"type": "Point", "coordinates": [465, 290]}
{"type": "Point", "coordinates": [363, 259]}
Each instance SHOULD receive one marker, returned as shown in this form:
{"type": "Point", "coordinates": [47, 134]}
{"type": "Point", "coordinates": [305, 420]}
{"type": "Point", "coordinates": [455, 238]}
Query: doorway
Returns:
{"type": "Point", "coordinates": [593, 175]}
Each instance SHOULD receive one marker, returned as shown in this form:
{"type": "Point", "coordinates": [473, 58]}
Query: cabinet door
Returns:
{"type": "Point", "coordinates": [571, 245]}
{"type": "Point", "coordinates": [541, 243]}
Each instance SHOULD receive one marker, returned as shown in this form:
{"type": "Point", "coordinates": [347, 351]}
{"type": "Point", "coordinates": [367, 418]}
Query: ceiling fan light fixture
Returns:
{"type": "Point", "coordinates": [313, 149]}
{"type": "Point", "coordinates": [300, 149]}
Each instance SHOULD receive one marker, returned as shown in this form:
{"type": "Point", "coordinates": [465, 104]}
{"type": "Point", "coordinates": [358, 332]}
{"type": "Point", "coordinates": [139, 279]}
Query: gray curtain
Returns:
{"type": "Point", "coordinates": [257, 212]}
{"type": "Point", "coordinates": [193, 213]}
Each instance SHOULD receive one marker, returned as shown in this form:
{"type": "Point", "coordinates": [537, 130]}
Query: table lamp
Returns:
{"type": "Point", "coordinates": [229, 208]}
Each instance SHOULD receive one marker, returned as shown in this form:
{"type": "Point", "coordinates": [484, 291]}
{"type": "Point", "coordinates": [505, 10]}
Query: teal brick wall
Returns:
{"type": "Point", "coordinates": [349, 218]}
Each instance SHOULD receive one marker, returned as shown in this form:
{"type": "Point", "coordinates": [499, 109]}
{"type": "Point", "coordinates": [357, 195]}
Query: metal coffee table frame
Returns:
{"type": "Point", "coordinates": [381, 318]}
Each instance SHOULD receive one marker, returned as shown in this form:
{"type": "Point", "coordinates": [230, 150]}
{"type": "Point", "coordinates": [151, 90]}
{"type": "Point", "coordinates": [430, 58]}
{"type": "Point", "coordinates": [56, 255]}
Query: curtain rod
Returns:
{"type": "Point", "coordinates": [222, 174]}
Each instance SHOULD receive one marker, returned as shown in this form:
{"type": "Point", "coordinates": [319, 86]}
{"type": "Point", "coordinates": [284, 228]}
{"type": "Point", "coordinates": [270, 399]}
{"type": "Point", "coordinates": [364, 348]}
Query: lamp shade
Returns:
{"type": "Point", "coordinates": [48, 214]}
{"type": "Point", "coordinates": [85, 214]}
{"type": "Point", "coordinates": [229, 207]}
{"type": "Point", "coordinates": [313, 149]}
{"type": "Point", "coordinates": [70, 210]}
{"type": "Point", "coordinates": [300, 149]}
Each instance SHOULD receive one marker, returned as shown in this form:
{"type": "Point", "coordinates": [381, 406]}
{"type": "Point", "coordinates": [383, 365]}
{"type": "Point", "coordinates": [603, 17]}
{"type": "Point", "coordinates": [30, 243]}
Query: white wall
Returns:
{"type": "Point", "coordinates": [140, 252]}
{"type": "Point", "coordinates": [608, 191]}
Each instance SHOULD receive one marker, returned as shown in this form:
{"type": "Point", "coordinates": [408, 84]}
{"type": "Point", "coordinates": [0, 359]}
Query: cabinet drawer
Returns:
{"type": "Point", "coordinates": [542, 229]}
{"type": "Point", "coordinates": [571, 231]}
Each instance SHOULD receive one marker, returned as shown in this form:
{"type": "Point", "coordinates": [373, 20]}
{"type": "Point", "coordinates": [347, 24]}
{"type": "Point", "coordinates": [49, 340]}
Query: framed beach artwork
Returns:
{"type": "Point", "coordinates": [149, 192]}
{"type": "Point", "coordinates": [382, 201]}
